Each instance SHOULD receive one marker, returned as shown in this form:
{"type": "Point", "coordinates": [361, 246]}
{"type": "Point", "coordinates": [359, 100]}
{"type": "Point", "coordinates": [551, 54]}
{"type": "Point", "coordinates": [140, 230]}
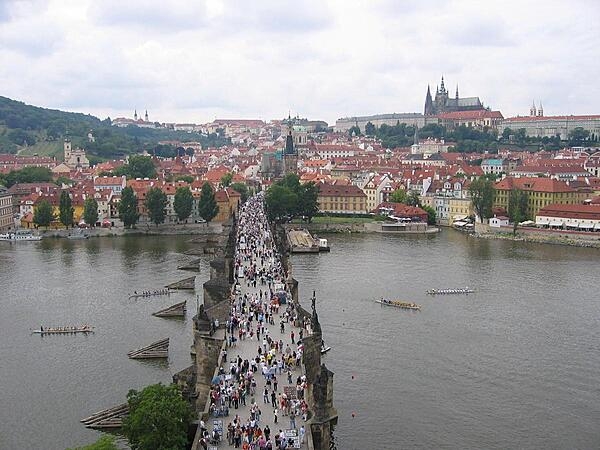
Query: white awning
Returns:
{"type": "Point", "coordinates": [459, 223]}
{"type": "Point", "coordinates": [597, 226]}
{"type": "Point", "coordinates": [586, 225]}
{"type": "Point", "coordinates": [555, 223]}
{"type": "Point", "coordinates": [542, 221]}
{"type": "Point", "coordinates": [460, 217]}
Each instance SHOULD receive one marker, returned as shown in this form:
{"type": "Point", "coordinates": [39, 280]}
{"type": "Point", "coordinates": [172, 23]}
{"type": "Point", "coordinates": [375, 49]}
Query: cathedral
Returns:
{"type": "Point", "coordinates": [443, 103]}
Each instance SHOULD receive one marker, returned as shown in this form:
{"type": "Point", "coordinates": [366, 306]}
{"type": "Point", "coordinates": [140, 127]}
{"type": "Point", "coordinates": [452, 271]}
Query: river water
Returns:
{"type": "Point", "coordinates": [515, 365]}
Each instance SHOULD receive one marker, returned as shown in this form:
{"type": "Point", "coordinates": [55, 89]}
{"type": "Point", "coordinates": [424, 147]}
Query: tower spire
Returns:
{"type": "Point", "coordinates": [135, 114]}
{"type": "Point", "coordinates": [442, 87]}
{"type": "Point", "coordinates": [456, 91]}
{"type": "Point", "coordinates": [532, 110]}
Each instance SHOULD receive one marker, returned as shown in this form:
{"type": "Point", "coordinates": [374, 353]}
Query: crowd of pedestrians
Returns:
{"type": "Point", "coordinates": [260, 388]}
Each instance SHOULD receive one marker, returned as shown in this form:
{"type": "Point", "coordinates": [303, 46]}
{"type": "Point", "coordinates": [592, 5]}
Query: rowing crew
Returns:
{"type": "Point", "coordinates": [398, 303]}
{"type": "Point", "coordinates": [150, 293]}
{"type": "Point", "coordinates": [71, 329]}
{"type": "Point", "coordinates": [450, 291]}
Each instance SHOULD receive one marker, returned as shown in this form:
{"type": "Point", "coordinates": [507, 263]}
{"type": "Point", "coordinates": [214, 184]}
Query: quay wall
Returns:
{"type": "Point", "coordinates": [540, 235]}
{"type": "Point", "coordinates": [353, 227]}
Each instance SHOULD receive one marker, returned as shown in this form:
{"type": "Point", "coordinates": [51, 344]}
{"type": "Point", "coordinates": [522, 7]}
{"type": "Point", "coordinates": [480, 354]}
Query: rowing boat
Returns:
{"type": "Point", "coordinates": [151, 294]}
{"type": "Point", "coordinates": [466, 290]}
{"type": "Point", "coordinates": [64, 330]}
{"type": "Point", "coordinates": [398, 304]}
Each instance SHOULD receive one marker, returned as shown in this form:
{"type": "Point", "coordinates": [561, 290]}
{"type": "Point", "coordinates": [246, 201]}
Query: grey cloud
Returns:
{"type": "Point", "coordinates": [479, 33]}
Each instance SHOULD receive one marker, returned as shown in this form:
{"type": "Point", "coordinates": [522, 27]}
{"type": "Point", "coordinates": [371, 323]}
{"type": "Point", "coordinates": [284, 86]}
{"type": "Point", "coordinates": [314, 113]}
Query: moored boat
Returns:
{"type": "Point", "coordinates": [64, 330]}
{"type": "Point", "coordinates": [20, 235]}
{"type": "Point", "coordinates": [399, 304]}
{"type": "Point", "coordinates": [153, 293]}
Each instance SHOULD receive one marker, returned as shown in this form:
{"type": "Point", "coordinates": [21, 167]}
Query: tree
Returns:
{"type": "Point", "coordinates": [207, 206]}
{"type": "Point", "coordinates": [43, 214]}
{"type": "Point", "coordinates": [431, 215]}
{"type": "Point", "coordinates": [413, 199]}
{"type": "Point", "coordinates": [370, 129]}
{"type": "Point", "coordinates": [226, 179]}
{"type": "Point", "coordinates": [578, 135]}
{"type": "Point", "coordinates": [186, 178]}
{"type": "Point", "coordinates": [281, 202]}
{"type": "Point", "coordinates": [104, 443]}
{"type": "Point", "coordinates": [517, 207]}
{"type": "Point", "coordinates": [354, 130]}
{"type": "Point", "coordinates": [242, 189]}
{"type": "Point", "coordinates": [482, 197]}
{"type": "Point", "coordinates": [156, 203]}
{"type": "Point", "coordinates": [158, 418]}
{"type": "Point", "coordinates": [308, 204]}
{"type": "Point", "coordinates": [138, 167]}
{"type": "Point", "coordinates": [90, 211]}
{"type": "Point", "coordinates": [128, 207]}
{"type": "Point", "coordinates": [183, 203]}
{"type": "Point", "coordinates": [398, 196]}
{"type": "Point", "coordinates": [65, 209]}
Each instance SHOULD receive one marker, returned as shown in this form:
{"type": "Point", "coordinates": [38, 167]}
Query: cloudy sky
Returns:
{"type": "Point", "coordinates": [197, 60]}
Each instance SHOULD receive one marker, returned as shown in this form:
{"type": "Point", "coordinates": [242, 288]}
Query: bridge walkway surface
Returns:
{"type": "Point", "coordinates": [259, 393]}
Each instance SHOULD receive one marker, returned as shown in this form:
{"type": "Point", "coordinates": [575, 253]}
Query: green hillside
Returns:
{"type": "Point", "coordinates": [28, 130]}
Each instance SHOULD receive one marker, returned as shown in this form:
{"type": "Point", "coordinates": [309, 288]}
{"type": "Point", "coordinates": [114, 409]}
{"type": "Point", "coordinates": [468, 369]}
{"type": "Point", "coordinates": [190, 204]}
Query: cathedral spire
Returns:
{"type": "Point", "coordinates": [428, 103]}
{"type": "Point", "coordinates": [442, 87]}
{"type": "Point", "coordinates": [532, 110]}
{"type": "Point", "coordinates": [146, 116]}
{"type": "Point", "coordinates": [135, 114]}
{"type": "Point", "coordinates": [456, 91]}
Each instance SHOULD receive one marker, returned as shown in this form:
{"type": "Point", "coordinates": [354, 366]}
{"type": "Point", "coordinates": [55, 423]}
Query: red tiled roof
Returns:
{"type": "Point", "coordinates": [533, 184]}
{"type": "Point", "coordinates": [335, 190]}
{"type": "Point", "coordinates": [477, 114]}
{"type": "Point", "coordinates": [542, 118]}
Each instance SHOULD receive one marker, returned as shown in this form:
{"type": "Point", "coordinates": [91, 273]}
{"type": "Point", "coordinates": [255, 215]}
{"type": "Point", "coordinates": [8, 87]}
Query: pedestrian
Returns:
{"type": "Point", "coordinates": [292, 419]}
{"type": "Point", "coordinates": [275, 415]}
{"type": "Point", "coordinates": [301, 434]}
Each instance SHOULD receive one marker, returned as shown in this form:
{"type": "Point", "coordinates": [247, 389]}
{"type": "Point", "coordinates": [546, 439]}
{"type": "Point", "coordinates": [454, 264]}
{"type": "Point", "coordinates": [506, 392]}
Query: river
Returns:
{"type": "Point", "coordinates": [515, 365]}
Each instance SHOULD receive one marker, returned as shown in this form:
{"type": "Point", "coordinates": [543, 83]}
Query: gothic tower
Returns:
{"type": "Point", "coordinates": [135, 115]}
{"type": "Point", "coordinates": [146, 116]}
{"type": "Point", "coordinates": [428, 103]}
{"type": "Point", "coordinates": [532, 110]}
{"type": "Point", "coordinates": [290, 153]}
{"type": "Point", "coordinates": [67, 149]}
{"type": "Point", "coordinates": [540, 111]}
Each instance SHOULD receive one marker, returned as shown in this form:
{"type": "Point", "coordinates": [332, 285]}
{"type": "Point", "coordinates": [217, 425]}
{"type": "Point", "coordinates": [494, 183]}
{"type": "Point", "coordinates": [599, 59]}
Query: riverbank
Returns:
{"type": "Point", "coordinates": [539, 236]}
{"type": "Point", "coordinates": [141, 230]}
{"type": "Point", "coordinates": [355, 227]}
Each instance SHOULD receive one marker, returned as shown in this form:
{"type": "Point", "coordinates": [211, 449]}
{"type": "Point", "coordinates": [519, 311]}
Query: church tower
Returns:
{"type": "Point", "coordinates": [135, 115]}
{"type": "Point", "coordinates": [428, 103]}
{"type": "Point", "coordinates": [290, 153]}
{"type": "Point", "coordinates": [532, 110]}
{"type": "Point", "coordinates": [441, 98]}
{"type": "Point", "coordinates": [540, 111]}
{"type": "Point", "coordinates": [67, 149]}
{"type": "Point", "coordinates": [146, 116]}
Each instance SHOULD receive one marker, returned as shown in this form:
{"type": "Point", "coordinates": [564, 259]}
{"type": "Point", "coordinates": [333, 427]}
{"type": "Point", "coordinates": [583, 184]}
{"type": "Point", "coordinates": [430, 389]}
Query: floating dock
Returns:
{"type": "Point", "coordinates": [301, 241]}
{"type": "Point", "coordinates": [177, 310]}
{"type": "Point", "coordinates": [158, 349]}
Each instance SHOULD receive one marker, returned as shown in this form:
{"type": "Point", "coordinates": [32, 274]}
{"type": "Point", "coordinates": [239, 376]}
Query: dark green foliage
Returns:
{"type": "Point", "coordinates": [106, 442]}
{"type": "Point", "coordinates": [186, 178]}
{"type": "Point", "coordinates": [128, 207]}
{"type": "Point", "coordinates": [578, 136]}
{"type": "Point", "coordinates": [158, 418]}
{"type": "Point", "coordinates": [27, 124]}
{"type": "Point", "coordinates": [65, 209]}
{"type": "Point", "coordinates": [43, 214]}
{"type": "Point", "coordinates": [156, 203]}
{"type": "Point", "coordinates": [413, 199]}
{"type": "Point", "coordinates": [370, 129]}
{"type": "Point", "coordinates": [431, 215]}
{"type": "Point", "coordinates": [207, 206]}
{"type": "Point", "coordinates": [226, 179]}
{"type": "Point", "coordinates": [138, 167]}
{"type": "Point", "coordinates": [28, 175]}
{"type": "Point", "coordinates": [517, 207]}
{"type": "Point", "coordinates": [242, 189]}
{"type": "Point", "coordinates": [482, 197]}
{"type": "Point", "coordinates": [90, 211]}
{"type": "Point", "coordinates": [287, 199]}
{"type": "Point", "coordinates": [398, 196]}
{"type": "Point", "coordinates": [354, 130]}
{"type": "Point", "coordinates": [183, 203]}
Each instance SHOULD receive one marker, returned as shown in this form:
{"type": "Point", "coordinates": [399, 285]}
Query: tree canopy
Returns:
{"type": "Point", "coordinates": [207, 205]}
{"type": "Point", "coordinates": [29, 174]}
{"type": "Point", "coordinates": [156, 203]}
{"type": "Point", "coordinates": [226, 179]}
{"type": "Point", "coordinates": [287, 198]}
{"type": "Point", "coordinates": [106, 442]}
{"type": "Point", "coordinates": [398, 196]}
{"type": "Point", "coordinates": [517, 207]}
{"type": "Point", "coordinates": [90, 211]}
{"type": "Point", "coordinates": [183, 203]}
{"type": "Point", "coordinates": [66, 209]}
{"type": "Point", "coordinates": [138, 167]}
{"type": "Point", "coordinates": [128, 207]}
{"type": "Point", "coordinates": [482, 197]}
{"type": "Point", "coordinates": [431, 215]}
{"type": "Point", "coordinates": [43, 214]}
{"type": "Point", "coordinates": [413, 199]}
{"type": "Point", "coordinates": [158, 418]}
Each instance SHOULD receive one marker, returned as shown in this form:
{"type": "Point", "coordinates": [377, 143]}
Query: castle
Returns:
{"type": "Point", "coordinates": [443, 103]}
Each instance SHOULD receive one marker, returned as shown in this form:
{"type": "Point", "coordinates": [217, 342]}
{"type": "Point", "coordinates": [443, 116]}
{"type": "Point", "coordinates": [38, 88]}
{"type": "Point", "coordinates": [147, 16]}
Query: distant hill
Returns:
{"type": "Point", "coordinates": [27, 129]}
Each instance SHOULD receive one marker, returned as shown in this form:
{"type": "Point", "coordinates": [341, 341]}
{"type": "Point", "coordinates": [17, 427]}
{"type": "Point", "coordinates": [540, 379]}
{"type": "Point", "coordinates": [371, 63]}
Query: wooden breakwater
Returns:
{"type": "Point", "coordinates": [111, 418]}
{"type": "Point", "coordinates": [158, 349]}
{"type": "Point", "coordinates": [176, 310]}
